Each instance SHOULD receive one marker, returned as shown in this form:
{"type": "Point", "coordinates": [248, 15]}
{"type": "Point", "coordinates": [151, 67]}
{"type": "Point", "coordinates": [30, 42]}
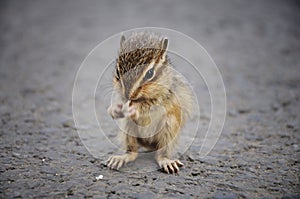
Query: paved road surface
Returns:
{"type": "Point", "coordinates": [256, 45]}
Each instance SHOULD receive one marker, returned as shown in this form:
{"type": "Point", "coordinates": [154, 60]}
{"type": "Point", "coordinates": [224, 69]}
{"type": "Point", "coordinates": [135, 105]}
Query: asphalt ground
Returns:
{"type": "Point", "coordinates": [255, 45]}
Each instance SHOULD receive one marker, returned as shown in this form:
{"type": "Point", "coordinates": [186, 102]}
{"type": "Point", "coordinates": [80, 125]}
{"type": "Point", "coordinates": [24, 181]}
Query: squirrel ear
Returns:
{"type": "Point", "coordinates": [164, 47]}
{"type": "Point", "coordinates": [122, 40]}
{"type": "Point", "coordinates": [164, 44]}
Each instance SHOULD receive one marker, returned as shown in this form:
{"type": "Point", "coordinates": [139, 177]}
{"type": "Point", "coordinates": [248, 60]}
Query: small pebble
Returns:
{"type": "Point", "coordinates": [67, 124]}
{"type": "Point", "coordinates": [17, 155]}
{"type": "Point", "coordinates": [295, 146]}
{"type": "Point", "coordinates": [244, 110]}
{"type": "Point", "coordinates": [100, 177]}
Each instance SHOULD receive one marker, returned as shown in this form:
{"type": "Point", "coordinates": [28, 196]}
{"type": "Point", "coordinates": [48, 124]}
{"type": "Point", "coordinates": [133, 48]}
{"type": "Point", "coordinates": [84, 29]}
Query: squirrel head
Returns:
{"type": "Point", "coordinates": [142, 67]}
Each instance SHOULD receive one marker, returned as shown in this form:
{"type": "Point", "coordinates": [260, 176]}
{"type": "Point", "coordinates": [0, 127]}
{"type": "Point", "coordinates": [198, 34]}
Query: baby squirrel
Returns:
{"type": "Point", "coordinates": [154, 101]}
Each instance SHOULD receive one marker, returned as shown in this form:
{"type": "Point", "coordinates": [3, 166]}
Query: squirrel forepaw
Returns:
{"type": "Point", "coordinates": [123, 110]}
{"type": "Point", "coordinates": [132, 113]}
{"type": "Point", "coordinates": [115, 111]}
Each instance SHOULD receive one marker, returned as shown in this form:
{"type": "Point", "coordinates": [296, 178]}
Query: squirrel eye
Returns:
{"type": "Point", "coordinates": [117, 75]}
{"type": "Point", "coordinates": [149, 73]}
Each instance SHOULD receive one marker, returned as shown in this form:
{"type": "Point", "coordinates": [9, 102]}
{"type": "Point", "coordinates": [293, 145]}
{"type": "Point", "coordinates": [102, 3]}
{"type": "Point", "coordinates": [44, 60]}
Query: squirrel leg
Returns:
{"type": "Point", "coordinates": [167, 139]}
{"type": "Point", "coordinates": [117, 161]}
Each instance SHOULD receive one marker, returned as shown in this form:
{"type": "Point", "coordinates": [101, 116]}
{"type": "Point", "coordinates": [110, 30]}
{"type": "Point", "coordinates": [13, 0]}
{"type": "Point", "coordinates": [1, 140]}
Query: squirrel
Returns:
{"type": "Point", "coordinates": [154, 101]}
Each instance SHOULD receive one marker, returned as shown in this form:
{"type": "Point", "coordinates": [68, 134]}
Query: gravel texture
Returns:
{"type": "Point", "coordinates": [256, 45]}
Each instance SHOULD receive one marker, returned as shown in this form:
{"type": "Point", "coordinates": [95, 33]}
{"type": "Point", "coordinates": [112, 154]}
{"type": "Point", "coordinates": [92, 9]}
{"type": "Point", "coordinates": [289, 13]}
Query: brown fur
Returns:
{"type": "Point", "coordinates": [162, 103]}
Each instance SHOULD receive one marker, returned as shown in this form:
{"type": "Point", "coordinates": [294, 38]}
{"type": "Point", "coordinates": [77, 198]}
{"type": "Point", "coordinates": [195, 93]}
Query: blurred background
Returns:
{"type": "Point", "coordinates": [255, 44]}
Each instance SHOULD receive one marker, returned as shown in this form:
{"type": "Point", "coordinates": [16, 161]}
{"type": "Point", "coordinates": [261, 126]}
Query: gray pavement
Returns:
{"type": "Point", "coordinates": [256, 45]}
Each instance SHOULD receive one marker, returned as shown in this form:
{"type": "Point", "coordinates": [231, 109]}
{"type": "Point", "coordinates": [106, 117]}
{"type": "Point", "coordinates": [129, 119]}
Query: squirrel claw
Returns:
{"type": "Point", "coordinates": [170, 166]}
{"type": "Point", "coordinates": [115, 162]}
